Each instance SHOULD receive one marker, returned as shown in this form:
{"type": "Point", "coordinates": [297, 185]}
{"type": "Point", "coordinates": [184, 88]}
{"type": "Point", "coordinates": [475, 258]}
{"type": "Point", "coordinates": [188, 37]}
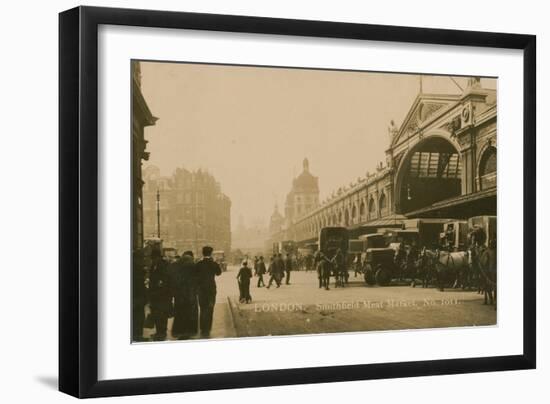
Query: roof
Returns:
{"type": "Point", "coordinates": [305, 182]}
{"type": "Point", "coordinates": [424, 107]}
{"type": "Point", "coordinates": [455, 201]}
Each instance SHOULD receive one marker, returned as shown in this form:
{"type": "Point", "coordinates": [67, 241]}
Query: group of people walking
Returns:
{"type": "Point", "coordinates": [278, 269]}
{"type": "Point", "coordinates": [186, 290]}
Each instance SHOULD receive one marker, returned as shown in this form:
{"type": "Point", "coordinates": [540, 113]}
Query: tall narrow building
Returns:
{"type": "Point", "coordinates": [141, 118]}
{"type": "Point", "coordinates": [304, 195]}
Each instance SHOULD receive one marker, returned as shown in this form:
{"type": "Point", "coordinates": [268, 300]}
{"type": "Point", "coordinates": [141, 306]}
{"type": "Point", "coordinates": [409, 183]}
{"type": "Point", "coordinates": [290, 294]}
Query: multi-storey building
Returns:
{"type": "Point", "coordinates": [193, 210]}
{"type": "Point", "coordinates": [303, 196]}
{"type": "Point", "coordinates": [141, 118]}
{"type": "Point", "coordinates": [441, 162]}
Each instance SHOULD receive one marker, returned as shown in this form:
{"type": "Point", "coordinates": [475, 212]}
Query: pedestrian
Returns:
{"type": "Point", "coordinates": [255, 265]}
{"type": "Point", "coordinates": [207, 270]}
{"type": "Point", "coordinates": [357, 264]}
{"type": "Point", "coordinates": [243, 277]}
{"type": "Point", "coordinates": [160, 297]}
{"type": "Point", "coordinates": [186, 309]}
{"type": "Point", "coordinates": [260, 272]}
{"type": "Point", "coordinates": [275, 268]}
{"type": "Point", "coordinates": [288, 268]}
{"type": "Point", "coordinates": [138, 295]}
{"type": "Point", "coordinates": [324, 267]}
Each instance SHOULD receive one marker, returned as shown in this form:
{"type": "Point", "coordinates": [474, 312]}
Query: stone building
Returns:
{"type": "Point", "coordinates": [441, 162]}
{"type": "Point", "coordinates": [193, 210]}
{"type": "Point", "coordinates": [303, 196]}
{"type": "Point", "coordinates": [141, 118]}
{"type": "Point", "coordinates": [276, 222]}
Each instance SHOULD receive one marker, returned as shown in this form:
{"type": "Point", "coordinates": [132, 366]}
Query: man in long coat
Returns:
{"type": "Point", "coordinates": [260, 272]}
{"type": "Point", "coordinates": [160, 297]}
{"type": "Point", "coordinates": [138, 295]}
{"type": "Point", "coordinates": [186, 309]}
{"type": "Point", "coordinates": [277, 269]}
{"type": "Point", "coordinates": [288, 268]}
{"type": "Point", "coordinates": [207, 270]}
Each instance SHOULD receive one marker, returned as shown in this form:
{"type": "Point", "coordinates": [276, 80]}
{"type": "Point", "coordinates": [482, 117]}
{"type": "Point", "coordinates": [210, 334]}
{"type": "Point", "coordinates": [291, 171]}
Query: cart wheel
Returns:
{"type": "Point", "coordinates": [383, 277]}
{"type": "Point", "coordinates": [369, 275]}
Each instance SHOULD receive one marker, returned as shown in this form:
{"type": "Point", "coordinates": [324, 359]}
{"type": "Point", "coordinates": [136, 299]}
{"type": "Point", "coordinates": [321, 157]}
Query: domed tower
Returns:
{"type": "Point", "coordinates": [276, 222]}
{"type": "Point", "coordinates": [304, 195]}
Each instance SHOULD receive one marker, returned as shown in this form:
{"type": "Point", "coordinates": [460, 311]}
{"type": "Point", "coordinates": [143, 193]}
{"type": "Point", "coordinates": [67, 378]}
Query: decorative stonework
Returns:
{"type": "Point", "coordinates": [428, 109]}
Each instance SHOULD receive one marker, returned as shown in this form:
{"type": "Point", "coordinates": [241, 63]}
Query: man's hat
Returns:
{"type": "Point", "coordinates": [207, 250]}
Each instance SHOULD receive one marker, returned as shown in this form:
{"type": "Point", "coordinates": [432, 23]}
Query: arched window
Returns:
{"type": "Point", "coordinates": [382, 204]}
{"type": "Point", "coordinates": [372, 208]}
{"type": "Point", "coordinates": [362, 210]}
{"type": "Point", "coordinates": [353, 213]}
{"type": "Point", "coordinates": [488, 168]}
{"type": "Point", "coordinates": [346, 217]}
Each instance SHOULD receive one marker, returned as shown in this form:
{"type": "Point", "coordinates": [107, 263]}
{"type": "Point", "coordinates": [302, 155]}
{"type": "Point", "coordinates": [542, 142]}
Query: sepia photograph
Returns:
{"type": "Point", "coordinates": [275, 201]}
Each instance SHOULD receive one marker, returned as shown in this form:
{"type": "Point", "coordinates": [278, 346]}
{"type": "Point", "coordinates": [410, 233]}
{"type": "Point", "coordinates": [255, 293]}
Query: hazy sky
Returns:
{"type": "Point", "coordinates": [251, 127]}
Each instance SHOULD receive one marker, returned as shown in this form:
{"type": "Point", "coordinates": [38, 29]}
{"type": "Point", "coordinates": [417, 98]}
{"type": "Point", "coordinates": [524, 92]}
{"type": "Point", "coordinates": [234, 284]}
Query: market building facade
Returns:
{"type": "Point", "coordinates": [441, 162]}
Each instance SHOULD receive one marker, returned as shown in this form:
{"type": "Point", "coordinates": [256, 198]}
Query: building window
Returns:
{"type": "Point", "coordinates": [488, 168]}
{"type": "Point", "coordinates": [372, 208]}
{"type": "Point", "coordinates": [383, 205]}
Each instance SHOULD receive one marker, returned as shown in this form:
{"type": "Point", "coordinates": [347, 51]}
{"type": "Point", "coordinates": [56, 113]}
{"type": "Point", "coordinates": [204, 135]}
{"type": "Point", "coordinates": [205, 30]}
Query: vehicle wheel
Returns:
{"type": "Point", "coordinates": [383, 277]}
{"type": "Point", "coordinates": [369, 275]}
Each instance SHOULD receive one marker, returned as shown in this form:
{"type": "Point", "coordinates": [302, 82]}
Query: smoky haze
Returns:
{"type": "Point", "coordinates": [251, 127]}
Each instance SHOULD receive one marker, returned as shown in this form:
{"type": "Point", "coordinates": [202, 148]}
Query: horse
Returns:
{"type": "Point", "coordinates": [476, 242]}
{"type": "Point", "coordinates": [488, 274]}
{"type": "Point", "coordinates": [408, 265]}
{"type": "Point", "coordinates": [444, 267]}
{"type": "Point", "coordinates": [452, 266]}
{"type": "Point", "coordinates": [324, 269]}
{"type": "Point", "coordinates": [425, 266]}
{"type": "Point", "coordinates": [339, 269]}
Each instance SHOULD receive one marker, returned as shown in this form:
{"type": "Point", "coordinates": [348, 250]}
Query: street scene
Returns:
{"type": "Point", "coordinates": [246, 223]}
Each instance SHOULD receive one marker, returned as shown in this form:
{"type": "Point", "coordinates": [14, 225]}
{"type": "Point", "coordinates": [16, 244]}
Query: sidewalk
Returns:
{"type": "Point", "coordinates": [222, 325]}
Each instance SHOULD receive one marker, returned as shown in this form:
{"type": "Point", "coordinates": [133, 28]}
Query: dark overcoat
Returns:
{"type": "Point", "coordinates": [186, 312]}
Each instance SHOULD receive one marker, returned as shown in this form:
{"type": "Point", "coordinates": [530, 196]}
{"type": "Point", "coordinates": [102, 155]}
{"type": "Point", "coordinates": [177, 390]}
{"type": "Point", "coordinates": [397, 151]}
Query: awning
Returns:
{"type": "Point", "coordinates": [388, 221]}
{"type": "Point", "coordinates": [463, 206]}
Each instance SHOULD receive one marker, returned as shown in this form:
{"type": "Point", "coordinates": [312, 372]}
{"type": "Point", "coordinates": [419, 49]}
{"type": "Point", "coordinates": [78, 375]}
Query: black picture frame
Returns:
{"type": "Point", "coordinates": [78, 200]}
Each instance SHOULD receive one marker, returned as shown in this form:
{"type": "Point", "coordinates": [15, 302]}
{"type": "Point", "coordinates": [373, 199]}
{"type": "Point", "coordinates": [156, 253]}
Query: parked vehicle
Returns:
{"type": "Point", "coordinates": [170, 253]}
{"type": "Point", "coordinates": [429, 230]}
{"type": "Point", "coordinates": [455, 234]}
{"type": "Point", "coordinates": [377, 260]}
{"type": "Point", "coordinates": [219, 257]}
{"type": "Point", "coordinates": [487, 223]}
{"type": "Point", "coordinates": [333, 238]}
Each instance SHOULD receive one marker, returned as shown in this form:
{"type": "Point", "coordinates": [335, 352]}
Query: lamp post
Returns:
{"type": "Point", "coordinates": [158, 213]}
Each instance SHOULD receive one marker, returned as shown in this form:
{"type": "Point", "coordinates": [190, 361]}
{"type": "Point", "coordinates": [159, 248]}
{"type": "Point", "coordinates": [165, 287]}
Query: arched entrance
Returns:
{"type": "Point", "coordinates": [430, 172]}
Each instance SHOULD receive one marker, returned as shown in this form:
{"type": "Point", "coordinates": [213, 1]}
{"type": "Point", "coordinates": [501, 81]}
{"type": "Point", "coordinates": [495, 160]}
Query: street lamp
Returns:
{"type": "Point", "coordinates": [158, 213]}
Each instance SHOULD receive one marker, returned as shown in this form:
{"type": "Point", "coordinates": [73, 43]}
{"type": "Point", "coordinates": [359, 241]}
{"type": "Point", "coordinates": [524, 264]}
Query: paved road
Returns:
{"type": "Point", "coordinates": [303, 308]}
